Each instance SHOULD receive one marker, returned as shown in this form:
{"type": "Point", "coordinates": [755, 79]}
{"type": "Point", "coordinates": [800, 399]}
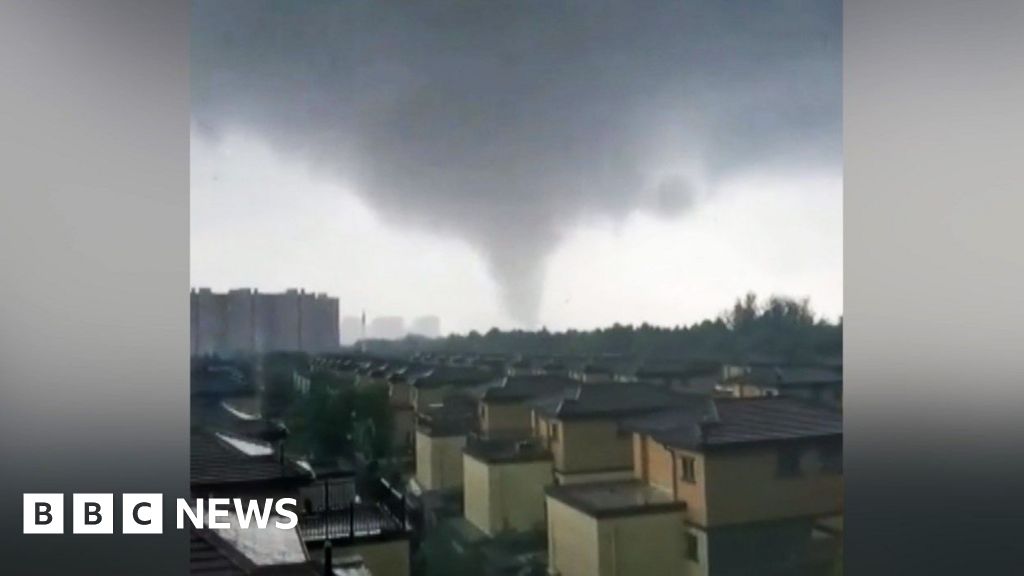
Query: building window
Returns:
{"type": "Point", "coordinates": [692, 548]}
{"type": "Point", "coordinates": [554, 431]}
{"type": "Point", "coordinates": [688, 469]}
{"type": "Point", "coordinates": [789, 462]}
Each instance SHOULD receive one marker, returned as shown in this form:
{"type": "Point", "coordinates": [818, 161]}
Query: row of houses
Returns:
{"type": "Point", "coordinates": [706, 468]}
{"type": "Point", "coordinates": [641, 476]}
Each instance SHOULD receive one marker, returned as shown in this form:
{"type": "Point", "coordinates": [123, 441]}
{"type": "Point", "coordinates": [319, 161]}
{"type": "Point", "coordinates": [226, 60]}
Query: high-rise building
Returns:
{"type": "Point", "coordinates": [428, 326]}
{"type": "Point", "coordinates": [387, 328]}
{"type": "Point", "coordinates": [246, 321]}
{"type": "Point", "coordinates": [351, 330]}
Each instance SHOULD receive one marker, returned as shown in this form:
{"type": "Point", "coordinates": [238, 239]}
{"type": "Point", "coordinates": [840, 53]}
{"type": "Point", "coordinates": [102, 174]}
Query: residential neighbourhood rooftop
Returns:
{"type": "Point", "coordinates": [497, 451]}
{"type": "Point", "coordinates": [791, 376]}
{"type": "Point", "coordinates": [612, 400]}
{"type": "Point", "coordinates": [735, 421]}
{"type": "Point", "coordinates": [217, 459]}
{"type": "Point", "coordinates": [458, 376]}
{"type": "Point", "coordinates": [519, 388]}
{"type": "Point", "coordinates": [615, 498]}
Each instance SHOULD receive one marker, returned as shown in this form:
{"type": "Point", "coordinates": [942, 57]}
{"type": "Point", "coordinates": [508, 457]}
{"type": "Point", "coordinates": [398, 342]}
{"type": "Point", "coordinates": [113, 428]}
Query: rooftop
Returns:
{"type": "Point", "coordinates": [613, 400]}
{"type": "Point", "coordinates": [218, 459]}
{"type": "Point", "coordinates": [501, 451]}
{"type": "Point", "coordinates": [454, 376]}
{"type": "Point", "coordinates": [782, 376]}
{"type": "Point", "coordinates": [610, 499]}
{"type": "Point", "coordinates": [739, 421]}
{"type": "Point", "coordinates": [251, 551]}
{"type": "Point", "coordinates": [520, 388]}
{"type": "Point", "coordinates": [454, 417]}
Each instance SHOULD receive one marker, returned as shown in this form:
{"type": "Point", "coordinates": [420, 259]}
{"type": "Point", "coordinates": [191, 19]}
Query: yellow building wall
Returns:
{"type": "Point", "coordinates": [505, 497]}
{"type": "Point", "coordinates": [477, 503]}
{"type": "Point", "coordinates": [504, 419]}
{"type": "Point", "coordinates": [661, 466]}
{"type": "Point", "coordinates": [384, 558]}
{"type": "Point", "coordinates": [693, 493]}
{"type": "Point", "coordinates": [737, 486]}
{"type": "Point", "coordinates": [572, 541]}
{"type": "Point", "coordinates": [439, 461]}
{"type": "Point", "coordinates": [745, 487]}
{"type": "Point", "coordinates": [636, 545]}
{"type": "Point", "coordinates": [591, 445]}
{"type": "Point", "coordinates": [651, 544]}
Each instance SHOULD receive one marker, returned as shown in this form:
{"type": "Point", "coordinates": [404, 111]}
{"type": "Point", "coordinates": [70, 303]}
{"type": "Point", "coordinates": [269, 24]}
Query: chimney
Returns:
{"type": "Point", "coordinates": [328, 558]}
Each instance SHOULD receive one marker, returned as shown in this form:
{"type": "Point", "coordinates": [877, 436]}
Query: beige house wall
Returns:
{"type": "Point", "coordinates": [634, 545]}
{"type": "Point", "coordinates": [573, 446]}
{"type": "Point", "coordinates": [504, 419]}
{"type": "Point", "coordinates": [505, 497]}
{"type": "Point", "coordinates": [652, 544]}
{"type": "Point", "coordinates": [572, 541]}
{"type": "Point", "coordinates": [439, 461]}
{"type": "Point", "coordinates": [744, 486]}
{"type": "Point", "coordinates": [739, 486]}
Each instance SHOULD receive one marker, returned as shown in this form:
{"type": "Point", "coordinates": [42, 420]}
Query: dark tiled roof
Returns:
{"type": "Point", "coordinates": [519, 388]}
{"type": "Point", "coordinates": [783, 376]}
{"type": "Point", "coordinates": [455, 417]}
{"type": "Point", "coordinates": [213, 462]}
{"type": "Point", "coordinates": [732, 422]}
{"type": "Point", "coordinates": [499, 451]}
{"type": "Point", "coordinates": [613, 400]}
{"type": "Point", "coordinates": [458, 376]}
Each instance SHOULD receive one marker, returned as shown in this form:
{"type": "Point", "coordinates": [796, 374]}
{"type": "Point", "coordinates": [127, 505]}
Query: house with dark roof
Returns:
{"type": "Point", "coordinates": [505, 410]}
{"type": "Point", "coordinates": [748, 485]}
{"type": "Point", "coordinates": [503, 484]}
{"type": "Point", "coordinates": [441, 432]}
{"type": "Point", "coordinates": [227, 465]}
{"type": "Point", "coordinates": [581, 428]}
{"type": "Point", "coordinates": [814, 383]}
{"type": "Point", "coordinates": [250, 553]}
{"type": "Point", "coordinates": [592, 374]}
{"type": "Point", "coordinates": [433, 387]}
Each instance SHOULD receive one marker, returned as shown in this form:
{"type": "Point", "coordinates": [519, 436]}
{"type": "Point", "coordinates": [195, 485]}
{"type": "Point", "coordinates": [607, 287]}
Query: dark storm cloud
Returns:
{"type": "Point", "coordinates": [505, 123]}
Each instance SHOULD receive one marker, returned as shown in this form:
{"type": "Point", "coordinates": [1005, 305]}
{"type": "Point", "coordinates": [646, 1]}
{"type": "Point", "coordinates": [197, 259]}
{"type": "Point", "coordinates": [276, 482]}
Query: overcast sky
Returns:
{"type": "Point", "coordinates": [520, 164]}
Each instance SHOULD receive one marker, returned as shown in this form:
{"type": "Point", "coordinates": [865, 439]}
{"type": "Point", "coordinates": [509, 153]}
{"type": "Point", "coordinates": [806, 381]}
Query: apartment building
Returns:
{"type": "Point", "coordinates": [245, 321]}
{"type": "Point", "coordinates": [741, 486]}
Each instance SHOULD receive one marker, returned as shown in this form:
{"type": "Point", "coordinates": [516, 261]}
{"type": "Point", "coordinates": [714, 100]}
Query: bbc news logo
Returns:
{"type": "Point", "coordinates": [143, 513]}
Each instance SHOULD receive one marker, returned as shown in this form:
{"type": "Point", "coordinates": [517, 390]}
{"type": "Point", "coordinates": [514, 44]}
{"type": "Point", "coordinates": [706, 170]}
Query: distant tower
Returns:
{"type": "Point", "coordinates": [362, 332]}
